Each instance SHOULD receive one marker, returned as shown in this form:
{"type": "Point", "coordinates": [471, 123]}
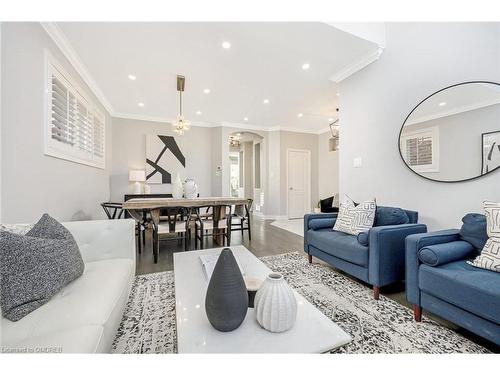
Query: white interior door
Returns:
{"type": "Point", "coordinates": [298, 183]}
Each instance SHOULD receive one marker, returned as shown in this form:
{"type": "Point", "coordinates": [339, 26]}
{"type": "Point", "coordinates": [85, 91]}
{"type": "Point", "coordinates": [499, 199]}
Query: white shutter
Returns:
{"type": "Point", "coordinates": [98, 140]}
{"type": "Point", "coordinates": [75, 129]}
{"type": "Point", "coordinates": [61, 129]}
{"type": "Point", "coordinates": [421, 149]}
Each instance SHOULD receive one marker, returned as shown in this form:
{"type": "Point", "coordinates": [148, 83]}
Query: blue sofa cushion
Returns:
{"type": "Point", "coordinates": [435, 255]}
{"type": "Point", "coordinates": [472, 289]}
{"type": "Point", "coordinates": [363, 238]}
{"type": "Point", "coordinates": [474, 230]}
{"type": "Point", "coordinates": [341, 245]}
{"type": "Point", "coordinates": [390, 216]}
{"type": "Point", "coordinates": [321, 223]}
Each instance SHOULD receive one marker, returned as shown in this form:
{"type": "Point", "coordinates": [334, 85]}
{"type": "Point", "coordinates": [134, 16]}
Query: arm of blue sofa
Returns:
{"type": "Point", "coordinates": [317, 221]}
{"type": "Point", "coordinates": [413, 244]}
{"type": "Point", "coordinates": [386, 259]}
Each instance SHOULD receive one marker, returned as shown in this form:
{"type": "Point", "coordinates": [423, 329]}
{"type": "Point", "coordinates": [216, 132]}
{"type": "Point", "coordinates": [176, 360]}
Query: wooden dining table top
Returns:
{"type": "Point", "coordinates": [153, 203]}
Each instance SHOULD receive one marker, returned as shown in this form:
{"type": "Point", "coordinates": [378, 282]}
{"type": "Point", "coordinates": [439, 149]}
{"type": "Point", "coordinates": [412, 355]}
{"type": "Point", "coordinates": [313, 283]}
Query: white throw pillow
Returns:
{"type": "Point", "coordinates": [354, 219]}
{"type": "Point", "coordinates": [490, 255]}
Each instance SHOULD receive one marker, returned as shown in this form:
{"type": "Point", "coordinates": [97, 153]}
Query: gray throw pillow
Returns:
{"type": "Point", "coordinates": [36, 266]}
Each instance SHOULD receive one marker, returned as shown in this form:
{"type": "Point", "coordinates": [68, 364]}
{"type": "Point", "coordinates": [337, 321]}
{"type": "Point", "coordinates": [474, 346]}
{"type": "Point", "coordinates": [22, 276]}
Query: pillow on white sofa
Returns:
{"type": "Point", "coordinates": [489, 258]}
{"type": "Point", "coordinates": [354, 219]}
{"type": "Point", "coordinates": [36, 266]}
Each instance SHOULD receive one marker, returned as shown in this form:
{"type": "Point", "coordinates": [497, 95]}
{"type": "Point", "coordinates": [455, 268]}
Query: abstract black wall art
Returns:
{"type": "Point", "coordinates": [163, 158]}
{"type": "Point", "coordinates": [491, 151]}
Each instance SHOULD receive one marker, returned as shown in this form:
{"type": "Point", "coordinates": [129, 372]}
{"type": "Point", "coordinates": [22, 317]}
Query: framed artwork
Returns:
{"type": "Point", "coordinates": [163, 158]}
{"type": "Point", "coordinates": [490, 148]}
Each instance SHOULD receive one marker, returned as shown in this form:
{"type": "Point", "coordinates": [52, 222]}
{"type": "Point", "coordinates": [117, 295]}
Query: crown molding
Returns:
{"type": "Point", "coordinates": [69, 52]}
{"type": "Point", "coordinates": [357, 65]}
{"type": "Point", "coordinates": [453, 111]}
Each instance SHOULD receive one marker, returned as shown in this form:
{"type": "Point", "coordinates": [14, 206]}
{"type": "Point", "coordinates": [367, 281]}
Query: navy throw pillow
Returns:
{"type": "Point", "coordinates": [364, 238]}
{"type": "Point", "coordinates": [474, 230]}
{"type": "Point", "coordinates": [390, 216]}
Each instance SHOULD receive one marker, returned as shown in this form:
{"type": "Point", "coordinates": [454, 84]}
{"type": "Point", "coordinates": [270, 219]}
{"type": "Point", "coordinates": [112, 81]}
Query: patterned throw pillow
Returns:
{"type": "Point", "coordinates": [354, 219]}
{"type": "Point", "coordinates": [36, 266]}
{"type": "Point", "coordinates": [490, 255]}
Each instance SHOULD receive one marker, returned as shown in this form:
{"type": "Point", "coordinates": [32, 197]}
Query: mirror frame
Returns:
{"type": "Point", "coordinates": [414, 108]}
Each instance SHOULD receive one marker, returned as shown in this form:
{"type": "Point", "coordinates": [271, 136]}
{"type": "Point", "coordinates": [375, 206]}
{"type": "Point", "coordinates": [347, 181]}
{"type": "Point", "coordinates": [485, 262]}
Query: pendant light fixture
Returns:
{"type": "Point", "coordinates": [181, 125]}
{"type": "Point", "coordinates": [333, 142]}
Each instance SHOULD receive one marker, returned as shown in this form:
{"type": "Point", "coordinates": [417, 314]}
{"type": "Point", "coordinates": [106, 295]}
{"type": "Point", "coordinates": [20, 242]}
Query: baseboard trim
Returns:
{"type": "Point", "coordinates": [261, 216]}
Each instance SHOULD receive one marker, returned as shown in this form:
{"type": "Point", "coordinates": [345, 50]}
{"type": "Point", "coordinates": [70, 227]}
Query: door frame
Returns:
{"type": "Point", "coordinates": [308, 153]}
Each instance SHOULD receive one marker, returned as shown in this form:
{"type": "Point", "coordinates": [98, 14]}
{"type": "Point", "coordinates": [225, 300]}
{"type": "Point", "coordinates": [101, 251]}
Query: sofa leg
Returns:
{"type": "Point", "coordinates": [376, 292]}
{"type": "Point", "coordinates": [417, 313]}
{"type": "Point", "coordinates": [310, 258]}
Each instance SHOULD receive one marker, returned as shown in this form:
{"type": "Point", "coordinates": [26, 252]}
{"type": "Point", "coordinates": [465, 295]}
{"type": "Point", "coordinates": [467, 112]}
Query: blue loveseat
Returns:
{"type": "Point", "coordinates": [376, 257]}
{"type": "Point", "coordinates": [439, 280]}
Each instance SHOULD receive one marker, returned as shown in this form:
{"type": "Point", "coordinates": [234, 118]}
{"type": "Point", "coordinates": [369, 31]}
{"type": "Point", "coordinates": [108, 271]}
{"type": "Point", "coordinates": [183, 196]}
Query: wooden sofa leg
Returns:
{"type": "Point", "coordinates": [310, 258]}
{"type": "Point", "coordinates": [376, 292]}
{"type": "Point", "coordinates": [417, 313]}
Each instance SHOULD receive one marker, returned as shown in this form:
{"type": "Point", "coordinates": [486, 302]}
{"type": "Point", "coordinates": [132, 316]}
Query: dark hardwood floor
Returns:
{"type": "Point", "coordinates": [270, 240]}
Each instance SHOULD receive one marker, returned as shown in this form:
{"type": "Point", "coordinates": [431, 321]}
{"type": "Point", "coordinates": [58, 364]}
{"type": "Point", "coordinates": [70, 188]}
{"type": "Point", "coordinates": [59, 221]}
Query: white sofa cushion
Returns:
{"type": "Point", "coordinates": [97, 298]}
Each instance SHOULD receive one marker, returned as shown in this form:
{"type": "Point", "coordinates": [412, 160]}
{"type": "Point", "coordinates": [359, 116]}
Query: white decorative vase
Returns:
{"type": "Point", "coordinates": [190, 189]}
{"type": "Point", "coordinates": [275, 304]}
{"type": "Point", "coordinates": [177, 189]}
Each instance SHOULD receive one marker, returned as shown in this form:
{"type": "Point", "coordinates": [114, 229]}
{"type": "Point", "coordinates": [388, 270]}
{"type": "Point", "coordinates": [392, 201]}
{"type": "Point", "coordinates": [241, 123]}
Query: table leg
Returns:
{"type": "Point", "coordinates": [216, 218]}
{"type": "Point", "coordinates": [155, 219]}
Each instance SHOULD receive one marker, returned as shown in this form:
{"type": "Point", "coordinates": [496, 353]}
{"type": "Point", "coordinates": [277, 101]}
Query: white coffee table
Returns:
{"type": "Point", "coordinates": [313, 332]}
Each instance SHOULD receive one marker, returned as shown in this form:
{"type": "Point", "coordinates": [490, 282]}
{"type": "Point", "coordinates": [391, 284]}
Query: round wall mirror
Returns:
{"type": "Point", "coordinates": [453, 135]}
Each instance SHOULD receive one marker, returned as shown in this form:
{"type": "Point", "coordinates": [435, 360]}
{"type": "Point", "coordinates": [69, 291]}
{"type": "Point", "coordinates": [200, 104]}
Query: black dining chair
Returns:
{"type": "Point", "coordinates": [240, 219]}
{"type": "Point", "coordinates": [216, 225]}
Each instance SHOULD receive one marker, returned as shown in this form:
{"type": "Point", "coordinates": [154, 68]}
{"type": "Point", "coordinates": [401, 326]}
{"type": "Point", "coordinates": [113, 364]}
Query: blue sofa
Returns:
{"type": "Point", "coordinates": [439, 280]}
{"type": "Point", "coordinates": [376, 257]}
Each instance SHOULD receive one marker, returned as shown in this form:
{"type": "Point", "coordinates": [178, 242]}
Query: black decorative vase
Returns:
{"type": "Point", "coordinates": [226, 302]}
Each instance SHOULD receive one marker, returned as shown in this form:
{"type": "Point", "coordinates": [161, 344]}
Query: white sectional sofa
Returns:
{"type": "Point", "coordinates": [84, 316]}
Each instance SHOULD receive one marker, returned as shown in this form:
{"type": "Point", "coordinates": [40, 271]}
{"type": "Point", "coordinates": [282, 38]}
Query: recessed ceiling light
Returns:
{"type": "Point", "coordinates": [330, 119]}
{"type": "Point", "coordinates": [140, 104]}
{"type": "Point", "coordinates": [442, 104]}
{"type": "Point", "coordinates": [266, 101]}
{"type": "Point", "coordinates": [338, 94]}
{"type": "Point", "coordinates": [226, 45]}
{"type": "Point", "coordinates": [300, 115]}
{"type": "Point", "coordinates": [306, 66]}
{"type": "Point", "coordinates": [245, 118]}
{"type": "Point", "coordinates": [132, 77]}
{"type": "Point", "coordinates": [206, 91]}
{"type": "Point", "coordinates": [198, 113]}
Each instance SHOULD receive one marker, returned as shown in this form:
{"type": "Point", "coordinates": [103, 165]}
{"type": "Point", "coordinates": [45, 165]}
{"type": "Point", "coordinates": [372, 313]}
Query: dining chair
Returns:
{"type": "Point", "coordinates": [175, 225]}
{"type": "Point", "coordinates": [240, 219]}
{"type": "Point", "coordinates": [216, 225]}
{"type": "Point", "coordinates": [113, 210]}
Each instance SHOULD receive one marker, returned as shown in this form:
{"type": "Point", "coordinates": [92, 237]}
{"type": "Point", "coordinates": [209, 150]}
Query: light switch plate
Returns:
{"type": "Point", "coordinates": [358, 162]}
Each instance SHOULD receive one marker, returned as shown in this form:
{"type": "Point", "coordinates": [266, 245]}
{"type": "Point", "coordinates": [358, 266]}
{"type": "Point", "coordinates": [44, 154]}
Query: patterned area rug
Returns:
{"type": "Point", "coordinates": [382, 326]}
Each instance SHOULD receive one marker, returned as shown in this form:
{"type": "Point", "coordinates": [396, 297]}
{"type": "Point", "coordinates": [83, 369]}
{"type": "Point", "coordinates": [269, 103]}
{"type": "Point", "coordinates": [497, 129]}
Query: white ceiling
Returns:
{"type": "Point", "coordinates": [264, 62]}
{"type": "Point", "coordinates": [454, 100]}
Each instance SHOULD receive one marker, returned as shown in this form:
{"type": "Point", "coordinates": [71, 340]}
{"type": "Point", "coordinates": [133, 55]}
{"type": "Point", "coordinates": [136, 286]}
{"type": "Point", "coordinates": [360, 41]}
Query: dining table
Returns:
{"type": "Point", "coordinates": [136, 207]}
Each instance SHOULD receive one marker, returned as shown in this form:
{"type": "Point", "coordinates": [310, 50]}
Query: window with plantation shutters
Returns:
{"type": "Point", "coordinates": [421, 149]}
{"type": "Point", "coordinates": [75, 127]}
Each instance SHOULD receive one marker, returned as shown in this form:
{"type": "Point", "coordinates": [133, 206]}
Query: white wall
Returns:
{"type": "Point", "coordinates": [328, 167]}
{"type": "Point", "coordinates": [419, 59]}
{"type": "Point", "coordinates": [33, 183]}
{"type": "Point", "coordinates": [129, 152]}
